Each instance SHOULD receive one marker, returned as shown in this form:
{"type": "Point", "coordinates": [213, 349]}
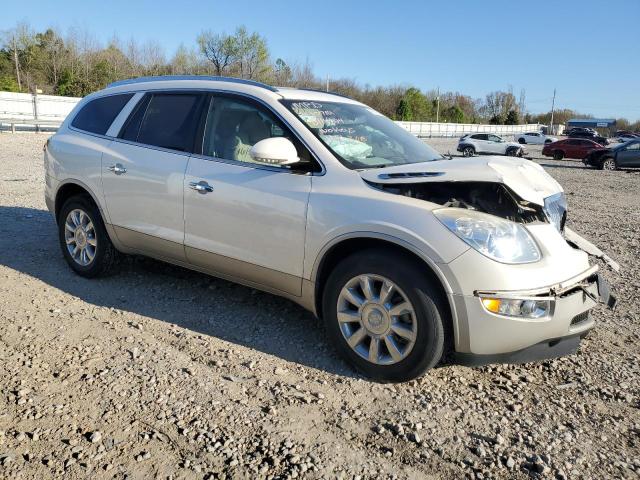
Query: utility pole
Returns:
{"type": "Point", "coordinates": [327, 82]}
{"type": "Point", "coordinates": [438, 106]}
{"type": "Point", "coordinates": [15, 58]}
{"type": "Point", "coordinates": [553, 104]}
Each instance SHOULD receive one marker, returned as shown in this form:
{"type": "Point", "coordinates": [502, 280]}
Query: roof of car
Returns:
{"type": "Point", "coordinates": [226, 83]}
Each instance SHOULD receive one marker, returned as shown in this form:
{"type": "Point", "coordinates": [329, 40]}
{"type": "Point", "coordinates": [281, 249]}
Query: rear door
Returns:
{"type": "Point", "coordinates": [143, 173]}
{"type": "Point", "coordinates": [480, 140]}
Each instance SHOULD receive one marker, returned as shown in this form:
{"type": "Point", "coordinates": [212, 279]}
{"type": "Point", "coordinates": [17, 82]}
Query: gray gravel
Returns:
{"type": "Point", "coordinates": [158, 372]}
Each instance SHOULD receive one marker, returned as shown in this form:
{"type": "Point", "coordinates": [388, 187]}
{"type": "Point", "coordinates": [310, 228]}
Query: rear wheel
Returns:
{"type": "Point", "coordinates": [522, 141]}
{"type": "Point", "coordinates": [468, 151]}
{"type": "Point", "coordinates": [609, 164]}
{"type": "Point", "coordinates": [384, 315]}
{"type": "Point", "coordinates": [83, 239]}
{"type": "Point", "coordinates": [558, 155]}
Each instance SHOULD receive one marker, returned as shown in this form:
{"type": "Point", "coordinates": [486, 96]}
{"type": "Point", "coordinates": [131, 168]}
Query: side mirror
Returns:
{"type": "Point", "coordinates": [274, 151]}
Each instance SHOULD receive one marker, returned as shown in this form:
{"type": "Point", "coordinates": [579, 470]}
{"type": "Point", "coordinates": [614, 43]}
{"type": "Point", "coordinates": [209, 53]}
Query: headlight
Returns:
{"type": "Point", "coordinates": [555, 207]}
{"type": "Point", "coordinates": [513, 307]}
{"type": "Point", "coordinates": [497, 238]}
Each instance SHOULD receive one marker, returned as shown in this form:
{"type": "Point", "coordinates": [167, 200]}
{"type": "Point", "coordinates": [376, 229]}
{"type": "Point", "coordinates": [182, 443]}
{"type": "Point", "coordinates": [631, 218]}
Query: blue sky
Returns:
{"type": "Point", "coordinates": [588, 50]}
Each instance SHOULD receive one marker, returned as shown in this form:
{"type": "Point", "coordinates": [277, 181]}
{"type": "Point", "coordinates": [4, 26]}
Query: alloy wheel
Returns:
{"type": "Point", "coordinates": [609, 164]}
{"type": "Point", "coordinates": [377, 319]}
{"type": "Point", "coordinates": [80, 237]}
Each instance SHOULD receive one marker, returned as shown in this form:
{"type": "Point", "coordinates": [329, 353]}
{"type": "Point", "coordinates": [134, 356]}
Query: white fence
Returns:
{"type": "Point", "coordinates": [432, 129]}
{"type": "Point", "coordinates": [34, 110]}
{"type": "Point", "coordinates": [50, 111]}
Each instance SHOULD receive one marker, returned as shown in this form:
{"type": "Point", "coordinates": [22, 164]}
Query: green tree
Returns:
{"type": "Point", "coordinates": [416, 107]}
{"type": "Point", "coordinates": [512, 118]}
{"type": "Point", "coordinates": [453, 114]}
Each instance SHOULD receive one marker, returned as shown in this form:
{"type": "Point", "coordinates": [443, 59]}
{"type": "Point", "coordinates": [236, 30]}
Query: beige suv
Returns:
{"type": "Point", "coordinates": [404, 254]}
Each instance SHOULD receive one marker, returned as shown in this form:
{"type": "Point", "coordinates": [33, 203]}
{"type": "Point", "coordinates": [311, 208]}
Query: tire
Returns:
{"type": "Point", "coordinates": [514, 152]}
{"type": "Point", "coordinates": [547, 140]}
{"type": "Point", "coordinates": [608, 163]}
{"type": "Point", "coordinates": [468, 151]}
{"type": "Point", "coordinates": [97, 261]}
{"type": "Point", "coordinates": [424, 316]}
{"type": "Point", "coordinates": [522, 141]}
{"type": "Point", "coordinates": [558, 155]}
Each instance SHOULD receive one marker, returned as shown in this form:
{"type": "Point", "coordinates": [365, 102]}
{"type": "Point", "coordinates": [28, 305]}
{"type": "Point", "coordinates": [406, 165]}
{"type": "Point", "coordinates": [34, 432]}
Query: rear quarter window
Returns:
{"type": "Point", "coordinates": [98, 115]}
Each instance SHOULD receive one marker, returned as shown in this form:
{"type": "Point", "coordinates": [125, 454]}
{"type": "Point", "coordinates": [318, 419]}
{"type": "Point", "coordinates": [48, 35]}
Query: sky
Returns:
{"type": "Point", "coordinates": [587, 50]}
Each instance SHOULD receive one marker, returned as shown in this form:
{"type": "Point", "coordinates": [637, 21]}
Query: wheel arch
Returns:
{"type": "Point", "coordinates": [70, 188]}
{"type": "Point", "coordinates": [348, 244]}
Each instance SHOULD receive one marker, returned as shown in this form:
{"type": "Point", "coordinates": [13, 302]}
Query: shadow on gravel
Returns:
{"type": "Point", "coordinates": [231, 312]}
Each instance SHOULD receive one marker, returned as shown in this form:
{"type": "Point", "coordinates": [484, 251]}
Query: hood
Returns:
{"type": "Point", "coordinates": [526, 178]}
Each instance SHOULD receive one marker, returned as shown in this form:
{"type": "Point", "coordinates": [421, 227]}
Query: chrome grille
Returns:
{"type": "Point", "coordinates": [555, 207]}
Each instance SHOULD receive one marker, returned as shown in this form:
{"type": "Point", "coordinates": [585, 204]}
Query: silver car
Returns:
{"type": "Point", "coordinates": [405, 255]}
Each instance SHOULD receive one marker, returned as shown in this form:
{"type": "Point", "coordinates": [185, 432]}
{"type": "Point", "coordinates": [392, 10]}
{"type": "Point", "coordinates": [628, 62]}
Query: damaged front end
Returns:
{"type": "Point", "coordinates": [507, 196]}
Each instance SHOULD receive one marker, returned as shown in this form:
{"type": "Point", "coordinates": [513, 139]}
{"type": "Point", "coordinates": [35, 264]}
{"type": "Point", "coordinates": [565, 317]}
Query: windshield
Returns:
{"type": "Point", "coordinates": [359, 136]}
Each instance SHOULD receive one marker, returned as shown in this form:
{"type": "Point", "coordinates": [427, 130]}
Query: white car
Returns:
{"type": "Point", "coordinates": [404, 254]}
{"type": "Point", "coordinates": [474, 143]}
{"type": "Point", "coordinates": [534, 138]}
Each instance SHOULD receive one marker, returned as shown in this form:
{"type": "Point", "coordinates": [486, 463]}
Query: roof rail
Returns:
{"type": "Point", "coordinates": [133, 81]}
{"type": "Point", "coordinates": [325, 91]}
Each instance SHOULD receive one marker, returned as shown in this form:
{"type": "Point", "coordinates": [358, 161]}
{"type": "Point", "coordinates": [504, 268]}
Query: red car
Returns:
{"type": "Point", "coordinates": [571, 148]}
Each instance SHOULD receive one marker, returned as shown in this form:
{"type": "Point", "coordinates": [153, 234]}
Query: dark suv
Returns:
{"type": "Point", "coordinates": [588, 135]}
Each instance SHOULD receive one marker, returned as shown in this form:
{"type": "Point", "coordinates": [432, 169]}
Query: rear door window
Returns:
{"type": "Point", "coordinates": [169, 121]}
{"type": "Point", "coordinates": [480, 136]}
{"type": "Point", "coordinates": [98, 115]}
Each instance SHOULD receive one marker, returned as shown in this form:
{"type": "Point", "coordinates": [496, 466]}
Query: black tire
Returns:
{"type": "Point", "coordinates": [106, 256]}
{"type": "Point", "coordinates": [522, 141]}
{"type": "Point", "coordinates": [432, 318]}
{"type": "Point", "coordinates": [468, 151]}
{"type": "Point", "coordinates": [558, 155]}
{"type": "Point", "coordinates": [547, 140]}
{"type": "Point", "coordinates": [608, 163]}
{"type": "Point", "coordinates": [514, 152]}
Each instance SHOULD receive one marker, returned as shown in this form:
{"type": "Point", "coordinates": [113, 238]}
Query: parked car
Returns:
{"type": "Point", "coordinates": [590, 136]}
{"type": "Point", "coordinates": [571, 130]}
{"type": "Point", "coordinates": [535, 138]}
{"type": "Point", "coordinates": [570, 148]}
{"type": "Point", "coordinates": [626, 133]}
{"type": "Point", "coordinates": [625, 155]}
{"type": "Point", "coordinates": [474, 143]}
{"type": "Point", "coordinates": [627, 137]}
{"type": "Point", "coordinates": [403, 253]}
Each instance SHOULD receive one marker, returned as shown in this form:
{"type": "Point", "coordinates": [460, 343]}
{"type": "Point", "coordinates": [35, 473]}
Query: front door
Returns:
{"type": "Point", "coordinates": [245, 220]}
{"type": "Point", "coordinates": [629, 156]}
{"type": "Point", "coordinates": [143, 173]}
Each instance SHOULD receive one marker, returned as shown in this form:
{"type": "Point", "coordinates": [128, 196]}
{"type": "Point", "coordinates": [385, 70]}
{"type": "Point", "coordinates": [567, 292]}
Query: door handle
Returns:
{"type": "Point", "coordinates": [118, 169]}
{"type": "Point", "coordinates": [201, 187]}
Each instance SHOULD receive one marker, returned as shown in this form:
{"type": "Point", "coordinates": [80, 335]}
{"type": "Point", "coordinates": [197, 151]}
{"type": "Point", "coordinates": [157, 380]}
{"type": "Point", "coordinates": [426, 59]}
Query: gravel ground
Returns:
{"type": "Point", "coordinates": [159, 372]}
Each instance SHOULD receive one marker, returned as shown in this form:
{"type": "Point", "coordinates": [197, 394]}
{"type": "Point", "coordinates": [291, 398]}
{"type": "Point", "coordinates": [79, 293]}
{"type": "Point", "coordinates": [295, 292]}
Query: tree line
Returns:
{"type": "Point", "coordinates": [76, 64]}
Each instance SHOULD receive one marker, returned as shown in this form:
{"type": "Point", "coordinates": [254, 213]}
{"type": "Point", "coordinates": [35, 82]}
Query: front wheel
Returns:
{"type": "Point", "coordinates": [384, 315]}
{"type": "Point", "coordinates": [83, 239]}
{"type": "Point", "coordinates": [609, 164]}
{"type": "Point", "coordinates": [522, 141]}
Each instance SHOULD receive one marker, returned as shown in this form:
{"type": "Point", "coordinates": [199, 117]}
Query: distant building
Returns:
{"type": "Point", "coordinates": [592, 122]}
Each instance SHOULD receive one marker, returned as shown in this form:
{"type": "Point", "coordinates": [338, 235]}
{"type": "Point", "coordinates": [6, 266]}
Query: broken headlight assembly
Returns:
{"type": "Point", "coordinates": [532, 308]}
{"type": "Point", "coordinates": [499, 239]}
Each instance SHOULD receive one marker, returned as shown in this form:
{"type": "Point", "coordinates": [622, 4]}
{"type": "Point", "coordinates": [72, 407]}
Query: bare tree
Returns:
{"type": "Point", "coordinates": [219, 49]}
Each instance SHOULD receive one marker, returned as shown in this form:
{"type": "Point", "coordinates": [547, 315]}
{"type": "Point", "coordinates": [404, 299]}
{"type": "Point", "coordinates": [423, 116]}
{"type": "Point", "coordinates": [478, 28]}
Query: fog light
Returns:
{"type": "Point", "coordinates": [512, 307]}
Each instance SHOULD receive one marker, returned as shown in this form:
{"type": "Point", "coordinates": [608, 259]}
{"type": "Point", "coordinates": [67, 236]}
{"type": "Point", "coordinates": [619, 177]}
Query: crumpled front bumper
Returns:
{"type": "Point", "coordinates": [517, 340]}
